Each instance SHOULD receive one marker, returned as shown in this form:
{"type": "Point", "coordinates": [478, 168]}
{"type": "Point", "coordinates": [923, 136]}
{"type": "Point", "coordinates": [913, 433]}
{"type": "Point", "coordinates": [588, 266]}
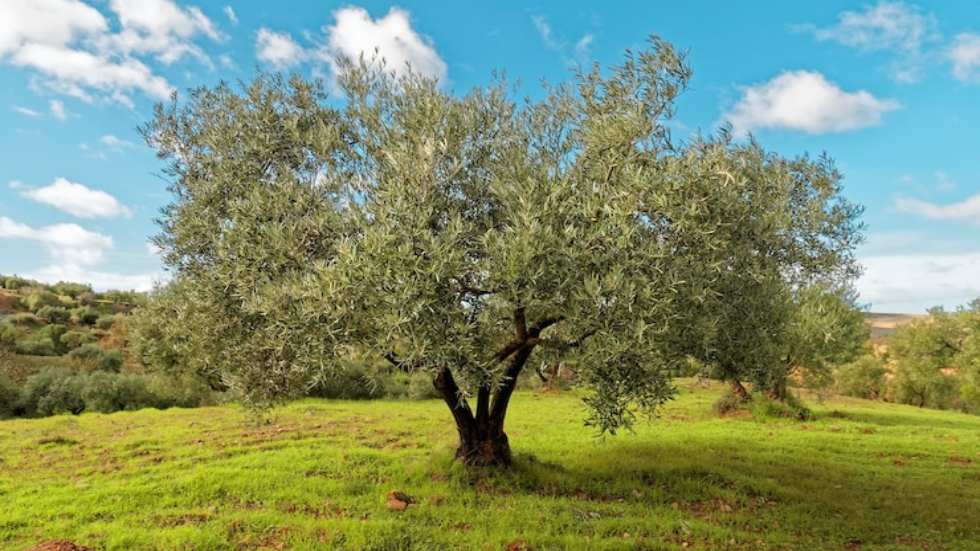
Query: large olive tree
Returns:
{"type": "Point", "coordinates": [453, 235]}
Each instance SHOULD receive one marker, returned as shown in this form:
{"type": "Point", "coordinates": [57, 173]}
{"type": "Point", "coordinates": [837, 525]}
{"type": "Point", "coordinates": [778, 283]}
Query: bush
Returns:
{"type": "Point", "coordinates": [862, 378]}
{"type": "Point", "coordinates": [729, 403]}
{"type": "Point", "coordinates": [53, 391]}
{"type": "Point", "coordinates": [71, 289]}
{"type": "Point", "coordinates": [14, 283]}
{"type": "Point", "coordinates": [108, 392]}
{"type": "Point", "coordinates": [9, 397]}
{"type": "Point", "coordinates": [97, 357]}
{"type": "Point", "coordinates": [41, 298]}
{"type": "Point", "coordinates": [53, 333]}
{"type": "Point", "coordinates": [85, 315]}
{"type": "Point", "coordinates": [24, 319]}
{"type": "Point", "coordinates": [9, 335]}
{"type": "Point", "coordinates": [74, 338]}
{"type": "Point", "coordinates": [53, 314]}
{"type": "Point", "coordinates": [105, 322]}
{"type": "Point", "coordinates": [36, 347]}
{"type": "Point", "coordinates": [789, 408]}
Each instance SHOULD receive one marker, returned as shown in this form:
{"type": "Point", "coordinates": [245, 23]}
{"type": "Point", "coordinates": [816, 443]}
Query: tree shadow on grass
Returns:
{"type": "Point", "coordinates": [758, 487]}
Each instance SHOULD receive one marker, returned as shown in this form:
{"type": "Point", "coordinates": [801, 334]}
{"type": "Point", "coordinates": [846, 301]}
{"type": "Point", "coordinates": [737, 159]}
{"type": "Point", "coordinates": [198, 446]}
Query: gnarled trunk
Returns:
{"type": "Point", "coordinates": [739, 391]}
{"type": "Point", "coordinates": [482, 440]}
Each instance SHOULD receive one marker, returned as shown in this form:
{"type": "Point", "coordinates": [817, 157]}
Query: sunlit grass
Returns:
{"type": "Point", "coordinates": [861, 475]}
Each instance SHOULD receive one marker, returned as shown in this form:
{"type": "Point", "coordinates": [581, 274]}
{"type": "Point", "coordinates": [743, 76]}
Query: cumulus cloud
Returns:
{"type": "Point", "coordinates": [885, 26]}
{"type": "Point", "coordinates": [805, 101]}
{"type": "Point", "coordinates": [58, 110]}
{"type": "Point", "coordinates": [391, 36]}
{"type": "Point", "coordinates": [967, 210]}
{"type": "Point", "coordinates": [78, 200]}
{"type": "Point", "coordinates": [65, 243]}
{"type": "Point", "coordinates": [74, 256]}
{"type": "Point", "coordinates": [965, 57]}
{"type": "Point", "coordinates": [277, 49]}
{"type": "Point", "coordinates": [913, 283]}
{"type": "Point", "coordinates": [74, 50]}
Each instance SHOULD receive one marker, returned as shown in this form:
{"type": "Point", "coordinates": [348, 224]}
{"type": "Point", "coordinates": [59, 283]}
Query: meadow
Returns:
{"type": "Point", "coordinates": [317, 474]}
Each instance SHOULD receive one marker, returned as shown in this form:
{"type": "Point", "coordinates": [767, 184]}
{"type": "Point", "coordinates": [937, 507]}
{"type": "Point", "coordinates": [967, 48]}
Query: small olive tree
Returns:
{"type": "Point", "coordinates": [456, 236]}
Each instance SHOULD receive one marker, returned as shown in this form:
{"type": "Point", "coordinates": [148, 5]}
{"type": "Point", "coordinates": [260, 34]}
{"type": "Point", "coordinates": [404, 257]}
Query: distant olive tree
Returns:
{"type": "Point", "coordinates": [455, 236]}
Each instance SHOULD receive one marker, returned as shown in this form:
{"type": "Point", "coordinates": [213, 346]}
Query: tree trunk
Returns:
{"type": "Point", "coordinates": [777, 390]}
{"type": "Point", "coordinates": [739, 391]}
{"type": "Point", "coordinates": [480, 446]}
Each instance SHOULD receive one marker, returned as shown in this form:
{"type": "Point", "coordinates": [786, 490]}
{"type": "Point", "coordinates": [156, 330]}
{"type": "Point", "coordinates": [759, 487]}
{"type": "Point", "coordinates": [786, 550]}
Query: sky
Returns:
{"type": "Point", "coordinates": [890, 90]}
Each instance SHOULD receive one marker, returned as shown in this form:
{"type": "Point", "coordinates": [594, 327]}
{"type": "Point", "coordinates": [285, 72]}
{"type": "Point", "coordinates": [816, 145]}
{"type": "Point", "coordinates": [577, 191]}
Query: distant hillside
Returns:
{"type": "Point", "coordinates": [883, 325]}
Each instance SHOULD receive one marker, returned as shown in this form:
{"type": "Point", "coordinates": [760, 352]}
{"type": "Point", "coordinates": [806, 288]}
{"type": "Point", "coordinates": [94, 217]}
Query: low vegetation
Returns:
{"type": "Point", "coordinates": [318, 474]}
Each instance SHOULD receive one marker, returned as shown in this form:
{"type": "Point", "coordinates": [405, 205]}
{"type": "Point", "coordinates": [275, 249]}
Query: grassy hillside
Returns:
{"type": "Point", "coordinates": [863, 475]}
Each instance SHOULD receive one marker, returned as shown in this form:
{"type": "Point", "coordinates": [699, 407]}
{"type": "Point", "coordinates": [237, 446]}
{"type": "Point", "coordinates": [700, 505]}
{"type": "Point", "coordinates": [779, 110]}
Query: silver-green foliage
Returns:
{"type": "Point", "coordinates": [458, 235]}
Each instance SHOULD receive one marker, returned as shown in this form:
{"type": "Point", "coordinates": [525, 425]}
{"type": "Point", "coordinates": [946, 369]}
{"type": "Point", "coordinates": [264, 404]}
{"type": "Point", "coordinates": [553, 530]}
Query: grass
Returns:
{"type": "Point", "coordinates": [862, 475]}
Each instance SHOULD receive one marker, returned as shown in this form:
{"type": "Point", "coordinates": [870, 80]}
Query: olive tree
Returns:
{"type": "Point", "coordinates": [455, 236]}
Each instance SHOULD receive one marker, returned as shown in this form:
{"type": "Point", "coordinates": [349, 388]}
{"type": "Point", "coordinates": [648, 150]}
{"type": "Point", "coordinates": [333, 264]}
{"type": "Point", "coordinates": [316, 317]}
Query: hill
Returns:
{"type": "Point", "coordinates": [883, 324]}
{"type": "Point", "coordinates": [316, 475]}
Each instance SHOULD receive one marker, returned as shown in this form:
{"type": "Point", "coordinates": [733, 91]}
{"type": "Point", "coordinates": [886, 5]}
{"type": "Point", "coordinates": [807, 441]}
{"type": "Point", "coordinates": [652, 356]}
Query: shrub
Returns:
{"type": "Point", "coordinates": [9, 334]}
{"type": "Point", "coordinates": [53, 314]}
{"type": "Point", "coordinates": [729, 403]}
{"type": "Point", "coordinates": [107, 392]}
{"type": "Point", "coordinates": [105, 322]}
{"type": "Point", "coordinates": [14, 282]}
{"type": "Point", "coordinates": [789, 408]}
{"type": "Point", "coordinates": [97, 357]}
{"type": "Point", "coordinates": [52, 391]}
{"type": "Point", "coordinates": [9, 397]}
{"type": "Point", "coordinates": [41, 298]}
{"type": "Point", "coordinates": [862, 378]}
{"type": "Point", "coordinates": [36, 347]}
{"type": "Point", "coordinates": [74, 338]}
{"type": "Point", "coordinates": [53, 333]}
{"type": "Point", "coordinates": [85, 315]}
{"type": "Point", "coordinates": [24, 318]}
{"type": "Point", "coordinates": [71, 289]}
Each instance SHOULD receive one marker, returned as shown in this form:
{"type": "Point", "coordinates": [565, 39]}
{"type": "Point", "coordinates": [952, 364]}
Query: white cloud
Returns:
{"type": "Point", "coordinates": [76, 52]}
{"type": "Point", "coordinates": [230, 14]}
{"type": "Point", "coordinates": [579, 52]}
{"type": "Point", "coordinates": [51, 22]}
{"type": "Point", "coordinates": [65, 243]}
{"type": "Point", "coordinates": [115, 143]}
{"type": "Point", "coordinates": [26, 112]}
{"type": "Point", "coordinates": [73, 71]}
{"type": "Point", "coordinates": [885, 26]}
{"type": "Point", "coordinates": [912, 283]}
{"type": "Point", "coordinates": [806, 101]}
{"type": "Point", "coordinates": [544, 31]}
{"type": "Point", "coordinates": [15, 184]}
{"type": "Point", "coordinates": [100, 281]}
{"type": "Point", "coordinates": [226, 61]}
{"type": "Point", "coordinates": [582, 47]}
{"type": "Point", "coordinates": [78, 200]}
{"type": "Point", "coordinates": [278, 49]}
{"type": "Point", "coordinates": [965, 56]}
{"type": "Point", "coordinates": [354, 33]}
{"type": "Point", "coordinates": [58, 110]}
{"type": "Point", "coordinates": [967, 210]}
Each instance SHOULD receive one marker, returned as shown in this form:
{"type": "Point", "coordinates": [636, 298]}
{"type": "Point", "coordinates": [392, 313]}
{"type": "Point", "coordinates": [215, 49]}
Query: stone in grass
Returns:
{"type": "Point", "coordinates": [399, 501]}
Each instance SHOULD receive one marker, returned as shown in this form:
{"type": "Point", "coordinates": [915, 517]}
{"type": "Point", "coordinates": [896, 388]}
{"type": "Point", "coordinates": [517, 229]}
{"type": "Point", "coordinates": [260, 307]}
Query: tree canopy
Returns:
{"type": "Point", "coordinates": [458, 235]}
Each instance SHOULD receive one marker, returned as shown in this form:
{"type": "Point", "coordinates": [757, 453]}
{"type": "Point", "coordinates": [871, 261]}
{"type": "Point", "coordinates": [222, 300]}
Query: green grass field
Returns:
{"type": "Point", "coordinates": [862, 475]}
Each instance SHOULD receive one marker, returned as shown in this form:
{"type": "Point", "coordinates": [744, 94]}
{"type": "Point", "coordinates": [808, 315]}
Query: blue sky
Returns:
{"type": "Point", "coordinates": [889, 89]}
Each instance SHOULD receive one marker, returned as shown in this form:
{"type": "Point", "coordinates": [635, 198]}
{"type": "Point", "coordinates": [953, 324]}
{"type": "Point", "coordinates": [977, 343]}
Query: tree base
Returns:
{"type": "Point", "coordinates": [485, 452]}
